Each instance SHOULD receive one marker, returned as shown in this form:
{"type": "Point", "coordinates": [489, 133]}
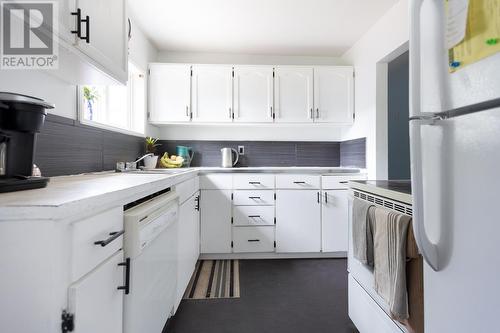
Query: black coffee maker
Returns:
{"type": "Point", "coordinates": [21, 117]}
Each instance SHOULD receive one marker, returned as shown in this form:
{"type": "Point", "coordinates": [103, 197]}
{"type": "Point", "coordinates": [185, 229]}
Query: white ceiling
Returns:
{"type": "Point", "coordinates": [268, 27]}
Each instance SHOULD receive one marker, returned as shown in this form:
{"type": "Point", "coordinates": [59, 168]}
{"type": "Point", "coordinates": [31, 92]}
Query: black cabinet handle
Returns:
{"type": "Point", "coordinates": [255, 198]}
{"type": "Point", "coordinates": [254, 216]}
{"type": "Point", "coordinates": [344, 182]}
{"type": "Point", "coordinates": [254, 183]}
{"type": "Point", "coordinates": [254, 240]}
{"type": "Point", "coordinates": [326, 197]}
{"type": "Point", "coordinates": [79, 21]}
{"type": "Point", "coordinates": [126, 287]}
{"type": "Point", "coordinates": [318, 197]}
{"type": "Point", "coordinates": [197, 203]}
{"type": "Point", "coordinates": [113, 235]}
{"type": "Point", "coordinates": [78, 30]}
{"type": "Point", "coordinates": [299, 182]}
{"type": "Point", "coordinates": [87, 29]}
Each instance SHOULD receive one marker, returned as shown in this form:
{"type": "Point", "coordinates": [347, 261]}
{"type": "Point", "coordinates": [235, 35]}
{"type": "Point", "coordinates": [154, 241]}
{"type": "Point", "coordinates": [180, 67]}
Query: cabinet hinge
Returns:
{"type": "Point", "coordinates": [67, 322]}
{"type": "Point", "coordinates": [232, 196]}
{"type": "Point", "coordinates": [274, 244]}
{"type": "Point", "coordinates": [232, 244]}
{"type": "Point", "coordinates": [275, 220]}
{"type": "Point", "coordinates": [274, 196]}
{"type": "Point", "coordinates": [232, 220]}
{"type": "Point", "coordinates": [273, 72]}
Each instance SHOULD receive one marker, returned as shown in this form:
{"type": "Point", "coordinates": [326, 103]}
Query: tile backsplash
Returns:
{"type": "Point", "coordinates": [275, 153]}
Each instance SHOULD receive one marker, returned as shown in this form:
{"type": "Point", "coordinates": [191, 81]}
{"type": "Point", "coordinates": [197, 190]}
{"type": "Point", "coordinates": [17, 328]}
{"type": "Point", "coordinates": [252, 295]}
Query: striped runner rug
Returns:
{"type": "Point", "coordinates": [214, 279]}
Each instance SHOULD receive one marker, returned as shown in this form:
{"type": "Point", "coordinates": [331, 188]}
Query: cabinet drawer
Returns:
{"type": "Point", "coordinates": [216, 182]}
{"type": "Point", "coordinates": [253, 198]}
{"type": "Point", "coordinates": [253, 239]}
{"type": "Point", "coordinates": [300, 182]}
{"type": "Point", "coordinates": [185, 189]}
{"type": "Point", "coordinates": [338, 182]}
{"type": "Point", "coordinates": [253, 181]}
{"type": "Point", "coordinates": [253, 215]}
{"type": "Point", "coordinates": [86, 254]}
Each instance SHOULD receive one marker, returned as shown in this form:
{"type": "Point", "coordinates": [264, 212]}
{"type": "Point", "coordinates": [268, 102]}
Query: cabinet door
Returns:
{"type": "Point", "coordinates": [108, 26]}
{"type": "Point", "coordinates": [293, 89]}
{"type": "Point", "coordinates": [298, 221]}
{"type": "Point", "coordinates": [215, 207]}
{"type": "Point", "coordinates": [212, 93]}
{"type": "Point", "coordinates": [334, 219]}
{"type": "Point", "coordinates": [333, 94]}
{"type": "Point", "coordinates": [253, 94]}
{"type": "Point", "coordinates": [169, 93]}
{"type": "Point", "coordinates": [95, 300]}
{"type": "Point", "coordinates": [187, 245]}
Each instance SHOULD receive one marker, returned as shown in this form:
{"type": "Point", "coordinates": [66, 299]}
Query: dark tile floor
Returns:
{"type": "Point", "coordinates": [277, 296]}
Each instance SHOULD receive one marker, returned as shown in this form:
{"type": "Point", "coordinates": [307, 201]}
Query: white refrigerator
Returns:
{"type": "Point", "coordinates": [455, 164]}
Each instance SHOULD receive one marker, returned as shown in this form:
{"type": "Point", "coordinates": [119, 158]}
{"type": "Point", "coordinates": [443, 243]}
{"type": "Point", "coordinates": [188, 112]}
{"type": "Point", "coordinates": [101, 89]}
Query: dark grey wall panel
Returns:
{"type": "Point", "coordinates": [66, 147]}
{"type": "Point", "coordinates": [353, 153]}
{"type": "Point", "coordinates": [263, 153]}
{"type": "Point", "coordinates": [398, 116]}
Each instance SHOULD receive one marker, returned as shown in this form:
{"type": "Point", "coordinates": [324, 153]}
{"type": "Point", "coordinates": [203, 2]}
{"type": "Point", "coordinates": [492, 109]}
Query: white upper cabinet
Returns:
{"type": "Point", "coordinates": [169, 93]}
{"type": "Point", "coordinates": [104, 35]}
{"type": "Point", "coordinates": [212, 93]}
{"type": "Point", "coordinates": [333, 94]}
{"type": "Point", "coordinates": [293, 91]}
{"type": "Point", "coordinates": [253, 94]}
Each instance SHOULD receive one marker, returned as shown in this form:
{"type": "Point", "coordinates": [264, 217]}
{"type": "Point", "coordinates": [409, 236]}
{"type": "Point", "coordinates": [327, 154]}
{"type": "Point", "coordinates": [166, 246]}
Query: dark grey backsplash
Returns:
{"type": "Point", "coordinates": [65, 147]}
{"type": "Point", "coordinates": [275, 153]}
{"type": "Point", "coordinates": [353, 153]}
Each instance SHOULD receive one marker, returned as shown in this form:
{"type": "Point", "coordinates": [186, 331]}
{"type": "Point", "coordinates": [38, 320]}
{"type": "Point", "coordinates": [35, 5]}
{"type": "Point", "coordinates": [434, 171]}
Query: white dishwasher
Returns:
{"type": "Point", "coordinates": [150, 246]}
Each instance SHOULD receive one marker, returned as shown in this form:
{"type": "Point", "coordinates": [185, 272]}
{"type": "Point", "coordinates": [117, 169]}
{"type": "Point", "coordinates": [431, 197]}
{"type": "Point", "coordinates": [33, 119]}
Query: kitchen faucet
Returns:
{"type": "Point", "coordinates": [130, 166]}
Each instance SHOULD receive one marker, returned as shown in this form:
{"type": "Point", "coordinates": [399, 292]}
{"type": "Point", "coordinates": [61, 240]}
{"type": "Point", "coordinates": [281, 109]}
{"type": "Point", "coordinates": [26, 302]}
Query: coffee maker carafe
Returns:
{"type": "Point", "coordinates": [21, 117]}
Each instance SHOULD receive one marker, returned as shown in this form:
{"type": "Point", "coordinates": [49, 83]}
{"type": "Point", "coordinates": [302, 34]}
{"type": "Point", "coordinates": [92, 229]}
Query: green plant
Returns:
{"type": "Point", "coordinates": [151, 144]}
{"type": "Point", "coordinates": [90, 93]}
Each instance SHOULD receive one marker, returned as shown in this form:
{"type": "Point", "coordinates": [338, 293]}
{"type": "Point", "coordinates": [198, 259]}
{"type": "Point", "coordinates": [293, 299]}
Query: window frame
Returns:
{"type": "Point", "coordinates": [93, 123]}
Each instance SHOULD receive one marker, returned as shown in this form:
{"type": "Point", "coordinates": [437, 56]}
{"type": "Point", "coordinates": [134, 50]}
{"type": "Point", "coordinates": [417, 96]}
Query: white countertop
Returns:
{"type": "Point", "coordinates": [67, 196]}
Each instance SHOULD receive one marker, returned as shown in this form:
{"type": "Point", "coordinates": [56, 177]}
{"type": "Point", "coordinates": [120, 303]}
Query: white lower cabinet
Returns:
{"type": "Point", "coordinates": [215, 221]}
{"type": "Point", "coordinates": [298, 221]}
{"type": "Point", "coordinates": [188, 245]}
{"type": "Point", "coordinates": [253, 239]}
{"type": "Point", "coordinates": [334, 217]}
{"type": "Point", "coordinates": [95, 301]}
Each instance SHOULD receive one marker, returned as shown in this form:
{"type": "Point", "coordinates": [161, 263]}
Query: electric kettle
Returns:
{"type": "Point", "coordinates": [227, 157]}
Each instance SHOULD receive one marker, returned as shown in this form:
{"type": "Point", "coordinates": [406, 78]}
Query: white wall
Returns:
{"type": "Point", "coordinates": [54, 90]}
{"type": "Point", "coordinates": [313, 132]}
{"type": "Point", "coordinates": [385, 40]}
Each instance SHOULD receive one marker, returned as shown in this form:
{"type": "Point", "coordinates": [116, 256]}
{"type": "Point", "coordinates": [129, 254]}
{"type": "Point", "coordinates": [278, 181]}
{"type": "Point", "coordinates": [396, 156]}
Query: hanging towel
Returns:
{"type": "Point", "coordinates": [390, 241]}
{"type": "Point", "coordinates": [362, 237]}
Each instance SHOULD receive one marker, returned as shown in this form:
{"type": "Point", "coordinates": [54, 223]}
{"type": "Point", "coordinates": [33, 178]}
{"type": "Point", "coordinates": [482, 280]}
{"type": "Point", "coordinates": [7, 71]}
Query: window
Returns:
{"type": "Point", "coordinates": [116, 107]}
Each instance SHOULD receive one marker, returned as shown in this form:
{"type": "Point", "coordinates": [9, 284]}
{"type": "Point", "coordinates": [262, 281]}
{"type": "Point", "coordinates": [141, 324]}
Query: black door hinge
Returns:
{"type": "Point", "coordinates": [232, 196]}
{"type": "Point", "coordinates": [275, 220]}
{"type": "Point", "coordinates": [274, 196]}
{"type": "Point", "coordinates": [273, 72]}
{"type": "Point", "coordinates": [67, 322]}
{"type": "Point", "coordinates": [232, 244]}
{"type": "Point", "coordinates": [274, 244]}
{"type": "Point", "coordinates": [232, 221]}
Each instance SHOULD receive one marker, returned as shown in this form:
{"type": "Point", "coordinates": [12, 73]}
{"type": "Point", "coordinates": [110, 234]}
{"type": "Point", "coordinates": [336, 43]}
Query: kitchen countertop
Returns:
{"type": "Point", "coordinates": [80, 195]}
{"type": "Point", "coordinates": [399, 190]}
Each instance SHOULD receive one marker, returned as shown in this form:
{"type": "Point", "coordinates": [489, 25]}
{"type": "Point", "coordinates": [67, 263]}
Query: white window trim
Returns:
{"type": "Point", "coordinates": [82, 120]}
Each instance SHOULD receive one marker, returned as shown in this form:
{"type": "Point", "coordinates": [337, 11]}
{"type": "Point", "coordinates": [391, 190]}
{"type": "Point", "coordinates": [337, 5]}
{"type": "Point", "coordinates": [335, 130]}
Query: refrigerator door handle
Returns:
{"type": "Point", "coordinates": [415, 10]}
{"type": "Point", "coordinates": [428, 249]}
